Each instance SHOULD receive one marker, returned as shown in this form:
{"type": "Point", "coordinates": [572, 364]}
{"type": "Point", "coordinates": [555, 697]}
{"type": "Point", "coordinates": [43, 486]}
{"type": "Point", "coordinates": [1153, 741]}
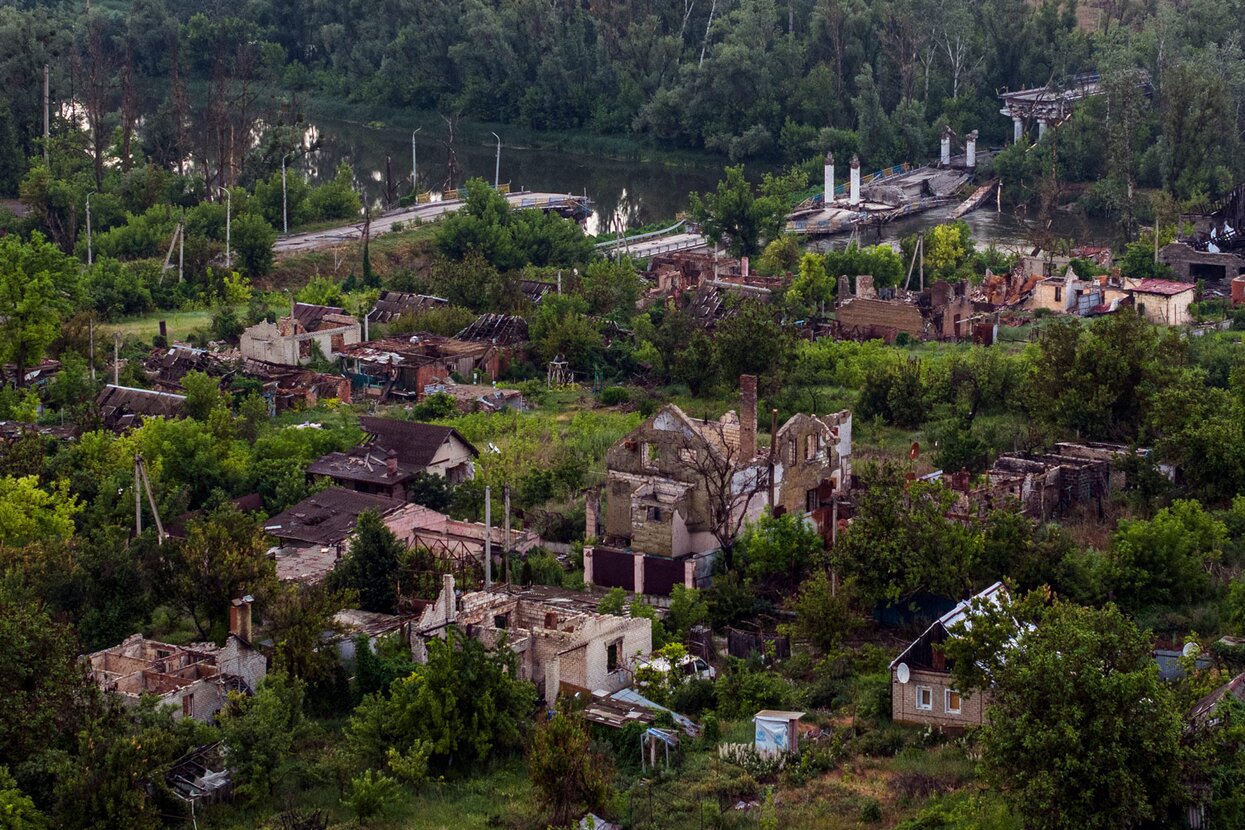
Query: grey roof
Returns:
{"type": "Point", "coordinates": [391, 305]}
{"type": "Point", "coordinates": [123, 406]}
{"type": "Point", "coordinates": [327, 517]}
{"type": "Point", "coordinates": [416, 444]}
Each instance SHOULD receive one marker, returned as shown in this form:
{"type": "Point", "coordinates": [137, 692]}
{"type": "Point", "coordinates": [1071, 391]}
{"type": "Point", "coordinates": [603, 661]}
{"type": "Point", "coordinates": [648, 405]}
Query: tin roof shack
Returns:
{"type": "Point", "coordinates": [406, 366]}
{"type": "Point", "coordinates": [562, 643]}
{"type": "Point", "coordinates": [1041, 486]}
{"type": "Point", "coordinates": [394, 452]}
{"type": "Point", "coordinates": [392, 305]}
{"type": "Point", "coordinates": [1189, 264]}
{"type": "Point", "coordinates": [195, 678]}
{"type": "Point", "coordinates": [922, 691]}
{"type": "Point", "coordinates": [123, 407]}
{"type": "Point", "coordinates": [289, 340]}
{"type": "Point", "coordinates": [677, 484]}
{"type": "Point", "coordinates": [1162, 301]}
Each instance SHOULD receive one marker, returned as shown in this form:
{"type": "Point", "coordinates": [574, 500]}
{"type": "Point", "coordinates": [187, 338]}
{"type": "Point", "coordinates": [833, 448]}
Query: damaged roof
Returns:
{"type": "Point", "coordinates": [327, 517]}
{"type": "Point", "coordinates": [391, 305]}
{"type": "Point", "coordinates": [498, 329]}
{"type": "Point", "coordinates": [124, 406]}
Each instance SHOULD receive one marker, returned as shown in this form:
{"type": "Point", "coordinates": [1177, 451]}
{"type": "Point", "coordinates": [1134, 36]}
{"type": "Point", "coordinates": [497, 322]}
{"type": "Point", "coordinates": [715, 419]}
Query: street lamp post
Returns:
{"type": "Point", "coordinates": [285, 214]}
{"type": "Point", "coordinates": [228, 223]}
{"type": "Point", "coordinates": [497, 167]}
{"type": "Point", "coordinates": [414, 165]}
{"type": "Point", "coordinates": [90, 254]}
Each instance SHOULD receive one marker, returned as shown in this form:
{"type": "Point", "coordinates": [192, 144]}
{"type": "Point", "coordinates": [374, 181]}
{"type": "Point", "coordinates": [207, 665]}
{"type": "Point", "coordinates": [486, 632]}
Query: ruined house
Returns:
{"type": "Point", "coordinates": [1068, 294]}
{"type": "Point", "coordinates": [1041, 486]}
{"type": "Point", "coordinates": [394, 453]}
{"type": "Point", "coordinates": [870, 318]}
{"type": "Point", "coordinates": [196, 678]}
{"type": "Point", "coordinates": [498, 329]}
{"type": "Point", "coordinates": [408, 365]}
{"type": "Point", "coordinates": [293, 387]}
{"type": "Point", "coordinates": [123, 407]}
{"type": "Point", "coordinates": [564, 646]}
{"type": "Point", "coordinates": [922, 690]}
{"type": "Point", "coordinates": [1162, 301]}
{"type": "Point", "coordinates": [1191, 263]}
{"type": "Point", "coordinates": [470, 397]}
{"type": "Point", "coordinates": [677, 485]}
{"type": "Point", "coordinates": [168, 366]}
{"type": "Point", "coordinates": [392, 305]}
{"type": "Point", "coordinates": [293, 340]}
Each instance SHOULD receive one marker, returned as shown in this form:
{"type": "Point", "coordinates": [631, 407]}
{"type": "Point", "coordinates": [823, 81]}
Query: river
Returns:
{"type": "Point", "coordinates": [635, 192]}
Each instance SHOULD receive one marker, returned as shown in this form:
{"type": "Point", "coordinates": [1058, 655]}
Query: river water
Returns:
{"type": "Point", "coordinates": [634, 193]}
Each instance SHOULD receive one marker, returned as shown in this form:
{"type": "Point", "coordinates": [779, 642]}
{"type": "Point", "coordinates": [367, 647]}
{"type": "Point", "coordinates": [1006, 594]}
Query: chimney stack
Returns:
{"type": "Point", "coordinates": [747, 417]}
{"type": "Point", "coordinates": [592, 503]}
{"type": "Point", "coordinates": [945, 157]}
{"type": "Point", "coordinates": [240, 618]}
{"type": "Point", "coordinates": [970, 150]}
{"type": "Point", "coordinates": [391, 463]}
{"type": "Point", "coordinates": [854, 193]}
{"type": "Point", "coordinates": [447, 592]}
{"type": "Point", "coordinates": [829, 179]}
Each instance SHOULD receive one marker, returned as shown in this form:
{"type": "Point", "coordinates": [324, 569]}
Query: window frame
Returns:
{"type": "Point", "coordinates": [926, 690]}
{"type": "Point", "coordinates": [946, 702]}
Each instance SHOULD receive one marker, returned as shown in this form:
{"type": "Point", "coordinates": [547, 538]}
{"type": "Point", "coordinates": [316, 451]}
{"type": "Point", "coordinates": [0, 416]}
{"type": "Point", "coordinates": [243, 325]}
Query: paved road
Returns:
{"type": "Point", "coordinates": [648, 248]}
{"type": "Point", "coordinates": [384, 223]}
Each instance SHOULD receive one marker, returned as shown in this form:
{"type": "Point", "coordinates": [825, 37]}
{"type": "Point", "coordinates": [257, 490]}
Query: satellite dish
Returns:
{"type": "Point", "coordinates": [902, 674]}
{"type": "Point", "coordinates": [1191, 649]}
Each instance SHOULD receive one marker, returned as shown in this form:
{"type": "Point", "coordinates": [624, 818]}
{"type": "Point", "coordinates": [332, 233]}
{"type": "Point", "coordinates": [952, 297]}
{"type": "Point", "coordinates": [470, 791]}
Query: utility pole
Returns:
{"type": "Point", "coordinates": [488, 538]}
{"type": "Point", "coordinates": [116, 358]}
{"type": "Point", "coordinates": [47, 115]}
{"type": "Point", "coordinates": [285, 214]}
{"type": "Point", "coordinates": [90, 259]}
{"type": "Point", "coordinates": [90, 327]}
{"type": "Point", "coordinates": [414, 165]}
{"type": "Point", "coordinates": [497, 166]}
{"type": "Point", "coordinates": [506, 537]}
{"type": "Point", "coordinates": [228, 223]}
{"type": "Point", "coordinates": [181, 249]}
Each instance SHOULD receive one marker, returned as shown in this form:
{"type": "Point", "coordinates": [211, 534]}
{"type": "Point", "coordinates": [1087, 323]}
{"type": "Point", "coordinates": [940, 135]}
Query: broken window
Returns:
{"type": "Point", "coordinates": [651, 453]}
{"type": "Point", "coordinates": [953, 702]}
{"type": "Point", "coordinates": [810, 446]}
{"type": "Point", "coordinates": [501, 621]}
{"type": "Point", "coordinates": [188, 705]}
{"type": "Point", "coordinates": [654, 514]}
{"type": "Point", "coordinates": [612, 652]}
{"type": "Point", "coordinates": [924, 698]}
{"type": "Point", "coordinates": [791, 459]}
{"type": "Point", "coordinates": [811, 502]}
{"type": "Point", "coordinates": [1058, 294]}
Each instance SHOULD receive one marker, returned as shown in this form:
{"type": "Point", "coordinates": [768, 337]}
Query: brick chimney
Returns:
{"type": "Point", "coordinates": [240, 618]}
{"type": "Point", "coordinates": [747, 417]}
{"type": "Point", "coordinates": [592, 503]}
{"type": "Point", "coordinates": [391, 463]}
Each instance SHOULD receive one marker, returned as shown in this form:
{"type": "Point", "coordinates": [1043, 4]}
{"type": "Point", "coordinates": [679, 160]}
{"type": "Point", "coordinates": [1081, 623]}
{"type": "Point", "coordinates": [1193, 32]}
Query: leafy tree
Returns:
{"type": "Point", "coordinates": [613, 602]}
{"type": "Point", "coordinates": [1082, 732]}
{"type": "Point", "coordinates": [779, 551]}
{"type": "Point", "coordinates": [371, 795]}
{"type": "Point", "coordinates": [610, 289]}
{"type": "Point", "coordinates": [370, 567]}
{"type": "Point", "coordinates": [688, 607]}
{"type": "Point", "coordinates": [569, 776]}
{"type": "Point", "coordinates": [812, 289]}
{"type": "Point", "coordinates": [736, 215]}
{"type": "Point", "coordinates": [17, 810]}
{"type": "Point", "coordinates": [253, 239]}
{"type": "Point", "coordinates": [1165, 559]}
{"type": "Point", "coordinates": [823, 616]}
{"type": "Point", "coordinates": [561, 326]}
{"type": "Point", "coordinates": [202, 395]}
{"type": "Point", "coordinates": [30, 514]}
{"type": "Point", "coordinates": [34, 280]}
{"type": "Point", "coordinates": [260, 731]}
{"type": "Point", "coordinates": [466, 703]}
{"type": "Point", "coordinates": [750, 342]}
{"type": "Point", "coordinates": [297, 618]}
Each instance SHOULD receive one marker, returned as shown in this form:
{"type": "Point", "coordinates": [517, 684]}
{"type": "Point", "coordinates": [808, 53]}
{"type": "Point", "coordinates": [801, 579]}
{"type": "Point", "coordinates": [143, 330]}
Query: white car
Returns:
{"type": "Point", "coordinates": [690, 666]}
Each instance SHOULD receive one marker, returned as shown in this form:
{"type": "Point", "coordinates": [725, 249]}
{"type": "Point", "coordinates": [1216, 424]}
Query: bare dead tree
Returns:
{"type": "Point", "coordinates": [451, 153]}
{"type": "Point", "coordinates": [731, 481]}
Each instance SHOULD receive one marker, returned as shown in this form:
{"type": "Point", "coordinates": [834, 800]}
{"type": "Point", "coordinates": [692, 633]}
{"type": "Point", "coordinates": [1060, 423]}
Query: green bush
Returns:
{"type": "Point", "coordinates": [615, 396]}
{"type": "Point", "coordinates": [371, 794]}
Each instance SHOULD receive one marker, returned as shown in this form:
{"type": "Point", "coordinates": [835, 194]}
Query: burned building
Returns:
{"type": "Point", "coordinates": [292, 387]}
{"type": "Point", "coordinates": [1190, 263]}
{"type": "Point", "coordinates": [406, 366]}
{"type": "Point", "coordinates": [196, 679]}
{"type": "Point", "coordinates": [392, 305]}
{"type": "Point", "coordinates": [563, 645]}
{"type": "Point", "coordinates": [168, 366]}
{"type": "Point", "coordinates": [508, 330]}
{"type": "Point", "coordinates": [294, 340]}
{"type": "Point", "coordinates": [1041, 486]}
{"type": "Point", "coordinates": [123, 407]}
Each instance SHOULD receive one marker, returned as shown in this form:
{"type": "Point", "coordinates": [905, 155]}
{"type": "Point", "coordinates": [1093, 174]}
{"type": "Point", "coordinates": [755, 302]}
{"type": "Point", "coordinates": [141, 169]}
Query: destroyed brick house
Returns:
{"type": "Point", "coordinates": [922, 690]}
{"type": "Point", "coordinates": [563, 645]}
{"type": "Point", "coordinates": [293, 387]}
{"type": "Point", "coordinates": [123, 407]}
{"type": "Point", "coordinates": [394, 453]}
{"type": "Point", "coordinates": [293, 340]}
{"type": "Point", "coordinates": [676, 484]}
{"type": "Point", "coordinates": [1041, 486]}
{"type": "Point", "coordinates": [409, 365]}
{"type": "Point", "coordinates": [941, 311]}
{"type": "Point", "coordinates": [166, 367]}
{"type": "Point", "coordinates": [196, 679]}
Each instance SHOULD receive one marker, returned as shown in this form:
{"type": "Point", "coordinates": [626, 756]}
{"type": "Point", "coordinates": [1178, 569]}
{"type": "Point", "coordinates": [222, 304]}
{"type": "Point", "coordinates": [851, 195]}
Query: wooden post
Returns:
{"type": "Point", "coordinates": [488, 538]}
{"type": "Point", "coordinates": [506, 539]}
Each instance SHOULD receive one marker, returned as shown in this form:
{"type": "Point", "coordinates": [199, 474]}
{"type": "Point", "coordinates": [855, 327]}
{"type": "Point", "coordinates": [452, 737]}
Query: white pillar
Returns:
{"type": "Point", "coordinates": [1041, 128]}
{"type": "Point", "coordinates": [854, 193]}
{"type": "Point", "coordinates": [588, 564]}
{"type": "Point", "coordinates": [945, 147]}
{"type": "Point", "coordinates": [970, 150]}
{"type": "Point", "coordinates": [637, 564]}
{"type": "Point", "coordinates": [1018, 128]}
{"type": "Point", "coordinates": [829, 178]}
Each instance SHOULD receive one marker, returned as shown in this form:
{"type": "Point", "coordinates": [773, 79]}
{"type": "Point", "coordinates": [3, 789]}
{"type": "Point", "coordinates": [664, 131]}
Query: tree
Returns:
{"type": "Point", "coordinates": [466, 703]}
{"type": "Point", "coordinates": [736, 215]}
{"type": "Point", "coordinates": [569, 776]}
{"type": "Point", "coordinates": [779, 551]}
{"type": "Point", "coordinates": [17, 810]}
{"type": "Point", "coordinates": [1082, 732]}
{"type": "Point", "coordinates": [203, 395]}
{"type": "Point", "coordinates": [1165, 560]}
{"type": "Point", "coordinates": [750, 342]}
{"type": "Point", "coordinates": [37, 283]}
{"type": "Point", "coordinates": [823, 615]}
{"type": "Point", "coordinates": [260, 731]}
{"type": "Point", "coordinates": [371, 565]}
{"type": "Point", "coordinates": [30, 514]}
{"type": "Point", "coordinates": [253, 239]}
{"type": "Point", "coordinates": [223, 557]}
{"type": "Point", "coordinates": [812, 288]}
{"type": "Point", "coordinates": [688, 607]}
{"type": "Point", "coordinates": [297, 618]}
{"type": "Point", "coordinates": [371, 795]}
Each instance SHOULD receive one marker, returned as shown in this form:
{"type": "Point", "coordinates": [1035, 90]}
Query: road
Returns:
{"type": "Point", "coordinates": [649, 248]}
{"type": "Point", "coordinates": [384, 223]}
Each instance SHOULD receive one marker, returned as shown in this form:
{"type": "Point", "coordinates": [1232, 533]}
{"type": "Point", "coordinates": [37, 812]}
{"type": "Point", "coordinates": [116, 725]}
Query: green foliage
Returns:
{"type": "Point", "coordinates": [465, 702]}
{"type": "Point", "coordinates": [561, 327]}
{"type": "Point", "coordinates": [736, 216]}
{"type": "Point", "coordinates": [30, 513]}
{"type": "Point", "coordinates": [17, 810]}
{"type": "Point", "coordinates": [743, 689]}
{"type": "Point", "coordinates": [35, 278]}
{"type": "Point", "coordinates": [778, 552]}
{"type": "Point", "coordinates": [370, 566]}
{"type": "Point", "coordinates": [1165, 560]}
{"type": "Point", "coordinates": [614, 601]}
{"type": "Point", "coordinates": [253, 239]}
{"type": "Point", "coordinates": [569, 776]}
{"type": "Point", "coordinates": [371, 795]}
{"type": "Point", "coordinates": [823, 615]}
{"type": "Point", "coordinates": [881, 262]}
{"type": "Point", "coordinates": [688, 607]}
{"type": "Point", "coordinates": [260, 731]}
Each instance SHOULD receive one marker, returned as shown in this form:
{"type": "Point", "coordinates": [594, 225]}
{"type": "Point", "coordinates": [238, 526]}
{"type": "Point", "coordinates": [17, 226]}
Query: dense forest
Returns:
{"type": "Point", "coordinates": [775, 81]}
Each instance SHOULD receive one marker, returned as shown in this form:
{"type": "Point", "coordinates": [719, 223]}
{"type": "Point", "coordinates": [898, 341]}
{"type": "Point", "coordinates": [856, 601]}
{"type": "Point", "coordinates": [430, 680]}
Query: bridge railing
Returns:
{"type": "Point", "coordinates": [627, 240]}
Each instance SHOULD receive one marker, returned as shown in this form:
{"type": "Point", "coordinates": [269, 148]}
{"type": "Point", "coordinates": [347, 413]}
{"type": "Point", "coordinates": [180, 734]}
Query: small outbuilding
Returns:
{"type": "Point", "coordinates": [777, 732]}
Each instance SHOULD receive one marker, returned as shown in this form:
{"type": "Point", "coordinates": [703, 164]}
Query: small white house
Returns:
{"type": "Point", "coordinates": [777, 732]}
